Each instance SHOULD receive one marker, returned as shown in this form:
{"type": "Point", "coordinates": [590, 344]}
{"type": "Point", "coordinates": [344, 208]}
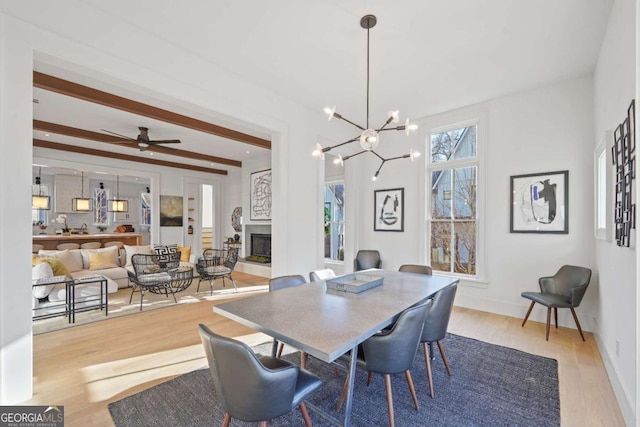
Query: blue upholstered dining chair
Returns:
{"type": "Point", "coordinates": [252, 388]}
{"type": "Point", "coordinates": [392, 351]}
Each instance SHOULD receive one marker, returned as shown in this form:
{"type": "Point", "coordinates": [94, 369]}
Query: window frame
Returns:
{"type": "Point", "coordinates": [603, 189]}
{"type": "Point", "coordinates": [331, 222]}
{"type": "Point", "coordinates": [437, 124]}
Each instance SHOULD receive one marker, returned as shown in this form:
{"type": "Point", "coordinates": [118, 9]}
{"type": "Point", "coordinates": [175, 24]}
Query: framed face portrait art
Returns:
{"type": "Point", "coordinates": [388, 212]}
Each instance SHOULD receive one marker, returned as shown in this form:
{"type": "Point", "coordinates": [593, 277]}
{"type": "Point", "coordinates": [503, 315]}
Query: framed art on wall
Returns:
{"type": "Point", "coordinates": [171, 214]}
{"type": "Point", "coordinates": [540, 203]}
{"type": "Point", "coordinates": [388, 214]}
{"type": "Point", "coordinates": [260, 193]}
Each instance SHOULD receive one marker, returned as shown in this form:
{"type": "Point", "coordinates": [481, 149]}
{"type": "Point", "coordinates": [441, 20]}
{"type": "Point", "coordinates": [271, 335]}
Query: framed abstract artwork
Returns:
{"type": "Point", "coordinates": [540, 203]}
{"type": "Point", "coordinates": [260, 193]}
{"type": "Point", "coordinates": [388, 214]}
{"type": "Point", "coordinates": [171, 214]}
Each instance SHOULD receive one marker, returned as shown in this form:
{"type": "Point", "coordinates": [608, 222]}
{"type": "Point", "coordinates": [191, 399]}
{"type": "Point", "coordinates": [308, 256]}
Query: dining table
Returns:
{"type": "Point", "coordinates": [327, 323]}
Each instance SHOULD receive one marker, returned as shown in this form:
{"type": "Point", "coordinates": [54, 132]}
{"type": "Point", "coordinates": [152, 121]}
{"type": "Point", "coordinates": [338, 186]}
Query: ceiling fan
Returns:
{"type": "Point", "coordinates": [143, 140]}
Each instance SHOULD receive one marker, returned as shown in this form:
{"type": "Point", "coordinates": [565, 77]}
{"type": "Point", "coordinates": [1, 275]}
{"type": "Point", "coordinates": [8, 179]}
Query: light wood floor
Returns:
{"type": "Point", "coordinates": [86, 367]}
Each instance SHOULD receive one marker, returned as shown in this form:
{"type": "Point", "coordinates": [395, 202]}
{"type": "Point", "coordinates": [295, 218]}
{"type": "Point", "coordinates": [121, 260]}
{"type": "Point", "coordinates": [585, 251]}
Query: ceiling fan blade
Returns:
{"type": "Point", "coordinates": [166, 141]}
{"type": "Point", "coordinates": [117, 134]}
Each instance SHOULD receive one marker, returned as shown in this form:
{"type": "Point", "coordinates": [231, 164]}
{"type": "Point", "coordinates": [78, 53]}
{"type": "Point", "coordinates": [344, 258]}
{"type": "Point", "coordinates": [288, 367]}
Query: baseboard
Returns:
{"type": "Point", "coordinates": [518, 310]}
{"type": "Point", "coordinates": [622, 396]}
{"type": "Point", "coordinates": [254, 269]}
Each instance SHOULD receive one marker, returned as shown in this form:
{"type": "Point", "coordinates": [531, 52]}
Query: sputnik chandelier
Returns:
{"type": "Point", "coordinates": [368, 138]}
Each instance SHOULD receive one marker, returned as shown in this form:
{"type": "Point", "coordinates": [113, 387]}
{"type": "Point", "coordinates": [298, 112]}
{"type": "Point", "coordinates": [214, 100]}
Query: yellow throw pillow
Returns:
{"type": "Point", "coordinates": [101, 260]}
{"type": "Point", "coordinates": [185, 253]}
{"type": "Point", "coordinates": [56, 265]}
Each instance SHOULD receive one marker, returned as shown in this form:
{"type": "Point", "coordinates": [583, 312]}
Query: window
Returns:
{"type": "Point", "coordinates": [453, 175]}
{"type": "Point", "coordinates": [334, 221]}
{"type": "Point", "coordinates": [100, 214]}
{"type": "Point", "coordinates": [603, 209]}
{"type": "Point", "coordinates": [145, 209]}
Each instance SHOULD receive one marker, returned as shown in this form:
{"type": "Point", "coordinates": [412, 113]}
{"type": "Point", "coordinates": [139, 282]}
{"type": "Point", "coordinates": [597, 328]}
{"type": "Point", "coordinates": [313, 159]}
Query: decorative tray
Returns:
{"type": "Point", "coordinates": [354, 283]}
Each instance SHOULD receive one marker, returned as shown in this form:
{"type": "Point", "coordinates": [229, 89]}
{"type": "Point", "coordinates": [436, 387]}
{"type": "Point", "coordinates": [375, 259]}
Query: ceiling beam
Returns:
{"type": "Point", "coordinates": [82, 150]}
{"type": "Point", "coordinates": [112, 139]}
{"type": "Point", "coordinates": [65, 87]}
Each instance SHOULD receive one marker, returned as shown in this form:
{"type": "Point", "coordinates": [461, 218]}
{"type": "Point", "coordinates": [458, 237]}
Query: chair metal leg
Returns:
{"type": "Point", "coordinates": [427, 361]}
{"type": "Point", "coordinates": [555, 314]}
{"type": "Point", "coordinates": [412, 389]}
{"type": "Point", "coordinates": [234, 283]}
{"type": "Point", "coordinates": [227, 420]}
{"type": "Point", "coordinates": [387, 386]}
{"type": "Point", "coordinates": [199, 280]}
{"type": "Point", "coordinates": [528, 312]}
{"type": "Point", "coordinates": [305, 415]}
{"type": "Point", "coordinates": [548, 321]}
{"type": "Point", "coordinates": [141, 296]}
{"type": "Point", "coordinates": [369, 377]}
{"type": "Point", "coordinates": [444, 357]}
{"type": "Point", "coordinates": [211, 285]}
{"type": "Point", "coordinates": [169, 288]}
{"type": "Point", "coordinates": [133, 289]}
{"type": "Point", "coordinates": [575, 317]}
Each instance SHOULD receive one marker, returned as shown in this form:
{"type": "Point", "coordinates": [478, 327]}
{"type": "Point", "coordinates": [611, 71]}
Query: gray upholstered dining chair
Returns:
{"type": "Point", "coordinates": [324, 274]}
{"type": "Point", "coordinates": [392, 351]}
{"type": "Point", "coordinates": [367, 259]}
{"type": "Point", "coordinates": [435, 329]}
{"type": "Point", "coordinates": [416, 268]}
{"type": "Point", "coordinates": [252, 388]}
{"type": "Point", "coordinates": [283, 282]}
{"type": "Point", "coordinates": [565, 289]}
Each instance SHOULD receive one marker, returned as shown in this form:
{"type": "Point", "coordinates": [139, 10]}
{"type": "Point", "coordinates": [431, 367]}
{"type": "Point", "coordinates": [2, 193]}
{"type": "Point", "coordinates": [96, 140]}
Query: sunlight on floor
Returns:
{"type": "Point", "coordinates": [106, 380]}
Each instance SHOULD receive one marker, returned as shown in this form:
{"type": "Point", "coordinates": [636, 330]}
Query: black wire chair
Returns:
{"type": "Point", "coordinates": [153, 273]}
{"type": "Point", "coordinates": [215, 264]}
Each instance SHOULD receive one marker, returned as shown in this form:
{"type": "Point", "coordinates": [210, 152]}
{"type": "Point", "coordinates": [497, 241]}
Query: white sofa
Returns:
{"type": "Point", "coordinates": [112, 263]}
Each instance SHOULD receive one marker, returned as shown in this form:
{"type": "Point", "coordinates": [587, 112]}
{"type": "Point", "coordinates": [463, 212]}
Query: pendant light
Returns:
{"type": "Point", "coordinates": [38, 201]}
{"type": "Point", "coordinates": [369, 137]}
{"type": "Point", "coordinates": [82, 204]}
{"type": "Point", "coordinates": [118, 204]}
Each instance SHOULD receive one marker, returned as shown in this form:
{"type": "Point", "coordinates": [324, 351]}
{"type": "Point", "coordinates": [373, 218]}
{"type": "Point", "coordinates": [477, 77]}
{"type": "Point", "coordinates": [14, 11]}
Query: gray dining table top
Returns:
{"type": "Point", "coordinates": [326, 323]}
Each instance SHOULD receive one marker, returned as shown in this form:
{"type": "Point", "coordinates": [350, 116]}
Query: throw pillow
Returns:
{"type": "Point", "coordinates": [42, 271]}
{"type": "Point", "coordinates": [71, 259]}
{"type": "Point", "coordinates": [132, 250]}
{"type": "Point", "coordinates": [56, 265]}
{"type": "Point", "coordinates": [102, 260]}
{"type": "Point", "coordinates": [111, 252]}
{"type": "Point", "coordinates": [185, 253]}
{"type": "Point", "coordinates": [163, 251]}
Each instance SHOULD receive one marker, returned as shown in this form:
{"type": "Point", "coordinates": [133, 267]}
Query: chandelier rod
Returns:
{"type": "Point", "coordinates": [368, 27]}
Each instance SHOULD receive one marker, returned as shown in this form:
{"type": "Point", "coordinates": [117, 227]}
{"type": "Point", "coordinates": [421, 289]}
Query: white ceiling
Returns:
{"type": "Point", "coordinates": [427, 56]}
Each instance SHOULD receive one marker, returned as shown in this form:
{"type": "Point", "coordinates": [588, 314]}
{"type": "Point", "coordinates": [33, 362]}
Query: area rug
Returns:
{"type": "Point", "coordinates": [490, 385]}
{"type": "Point", "coordinates": [119, 303]}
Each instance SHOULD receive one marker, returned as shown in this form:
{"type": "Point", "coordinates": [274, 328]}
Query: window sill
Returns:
{"type": "Point", "coordinates": [468, 281]}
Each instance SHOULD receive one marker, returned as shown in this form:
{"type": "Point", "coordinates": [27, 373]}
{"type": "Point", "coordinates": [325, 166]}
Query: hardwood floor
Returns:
{"type": "Point", "coordinates": [86, 367]}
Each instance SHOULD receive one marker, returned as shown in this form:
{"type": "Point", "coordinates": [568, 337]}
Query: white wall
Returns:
{"type": "Point", "coordinates": [542, 130]}
{"type": "Point", "coordinates": [614, 88]}
{"type": "Point", "coordinates": [126, 56]}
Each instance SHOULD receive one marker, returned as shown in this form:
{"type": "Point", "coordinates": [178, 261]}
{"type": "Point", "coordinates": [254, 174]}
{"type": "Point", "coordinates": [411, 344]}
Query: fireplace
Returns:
{"type": "Point", "coordinates": [261, 245]}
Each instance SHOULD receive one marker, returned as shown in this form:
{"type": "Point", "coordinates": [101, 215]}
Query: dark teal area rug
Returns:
{"type": "Point", "coordinates": [490, 385]}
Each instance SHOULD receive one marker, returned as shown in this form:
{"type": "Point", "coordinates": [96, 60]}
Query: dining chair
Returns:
{"type": "Point", "coordinates": [367, 259]}
{"type": "Point", "coordinates": [63, 246]}
{"type": "Point", "coordinates": [91, 245]}
{"type": "Point", "coordinates": [252, 388]}
{"type": "Point", "coordinates": [324, 274]}
{"type": "Point", "coordinates": [415, 268]}
{"type": "Point", "coordinates": [283, 282]}
{"type": "Point", "coordinates": [435, 329]}
{"type": "Point", "coordinates": [564, 289]}
{"type": "Point", "coordinates": [392, 351]}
